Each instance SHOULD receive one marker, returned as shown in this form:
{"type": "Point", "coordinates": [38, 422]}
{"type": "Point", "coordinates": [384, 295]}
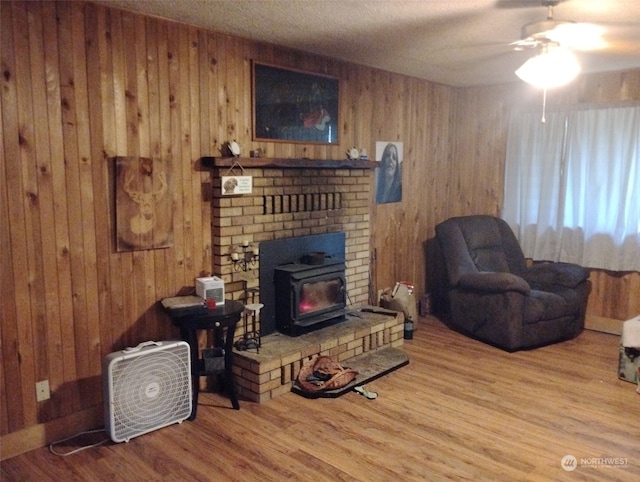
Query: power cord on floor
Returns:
{"type": "Point", "coordinates": [79, 449]}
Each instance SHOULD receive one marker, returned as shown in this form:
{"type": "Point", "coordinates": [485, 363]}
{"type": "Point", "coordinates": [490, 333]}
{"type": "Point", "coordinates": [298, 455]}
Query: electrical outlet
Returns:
{"type": "Point", "coordinates": [42, 391]}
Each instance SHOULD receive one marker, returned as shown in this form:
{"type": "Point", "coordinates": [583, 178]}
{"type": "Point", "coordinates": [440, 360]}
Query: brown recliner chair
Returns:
{"type": "Point", "coordinates": [496, 298]}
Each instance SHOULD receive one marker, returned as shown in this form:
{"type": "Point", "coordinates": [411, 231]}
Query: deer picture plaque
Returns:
{"type": "Point", "coordinates": [144, 218]}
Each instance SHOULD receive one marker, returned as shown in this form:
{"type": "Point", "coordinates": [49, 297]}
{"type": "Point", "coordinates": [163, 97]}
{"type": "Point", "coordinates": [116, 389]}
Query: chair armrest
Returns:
{"type": "Point", "coordinates": [493, 282]}
{"type": "Point", "coordinates": [545, 274]}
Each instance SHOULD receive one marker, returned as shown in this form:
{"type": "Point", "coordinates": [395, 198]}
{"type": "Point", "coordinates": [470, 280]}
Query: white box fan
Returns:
{"type": "Point", "coordinates": [146, 387]}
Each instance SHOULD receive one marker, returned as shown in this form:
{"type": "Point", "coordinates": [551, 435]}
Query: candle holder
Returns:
{"type": "Point", "coordinates": [244, 257]}
{"type": "Point", "coordinates": [250, 339]}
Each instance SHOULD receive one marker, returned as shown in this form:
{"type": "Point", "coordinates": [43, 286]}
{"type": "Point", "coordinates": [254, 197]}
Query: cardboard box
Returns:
{"type": "Point", "coordinates": [629, 364]}
{"type": "Point", "coordinates": [629, 359]}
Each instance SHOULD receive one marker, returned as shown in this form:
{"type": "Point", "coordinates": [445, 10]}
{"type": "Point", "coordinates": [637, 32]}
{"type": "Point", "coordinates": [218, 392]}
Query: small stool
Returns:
{"type": "Point", "coordinates": [254, 341]}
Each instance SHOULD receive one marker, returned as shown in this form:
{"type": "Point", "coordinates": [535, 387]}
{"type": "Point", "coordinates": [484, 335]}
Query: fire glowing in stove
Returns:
{"type": "Point", "coordinates": [319, 295]}
{"type": "Point", "coordinates": [306, 307]}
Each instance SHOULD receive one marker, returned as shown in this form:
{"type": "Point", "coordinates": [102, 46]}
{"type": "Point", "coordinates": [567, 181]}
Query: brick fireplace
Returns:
{"type": "Point", "coordinates": [292, 198]}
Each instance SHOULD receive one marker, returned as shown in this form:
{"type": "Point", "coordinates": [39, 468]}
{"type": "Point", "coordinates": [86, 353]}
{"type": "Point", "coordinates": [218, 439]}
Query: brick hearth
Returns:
{"type": "Point", "coordinates": [270, 373]}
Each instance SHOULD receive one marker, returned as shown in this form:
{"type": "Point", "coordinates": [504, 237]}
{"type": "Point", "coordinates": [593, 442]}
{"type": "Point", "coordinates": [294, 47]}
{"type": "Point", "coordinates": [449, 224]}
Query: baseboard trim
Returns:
{"type": "Point", "coordinates": [36, 436]}
{"type": "Point", "coordinates": [606, 325]}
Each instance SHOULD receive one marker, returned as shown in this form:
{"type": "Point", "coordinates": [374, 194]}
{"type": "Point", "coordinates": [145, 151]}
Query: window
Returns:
{"type": "Point", "coordinates": [572, 186]}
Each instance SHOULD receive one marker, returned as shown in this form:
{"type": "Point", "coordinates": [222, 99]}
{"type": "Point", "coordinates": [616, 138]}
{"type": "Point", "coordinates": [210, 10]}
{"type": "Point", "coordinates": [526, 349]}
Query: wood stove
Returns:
{"type": "Point", "coordinates": [309, 296]}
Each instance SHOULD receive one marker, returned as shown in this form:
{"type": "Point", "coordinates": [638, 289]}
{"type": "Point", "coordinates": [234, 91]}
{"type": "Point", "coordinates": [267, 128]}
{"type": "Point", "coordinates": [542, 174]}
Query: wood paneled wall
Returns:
{"type": "Point", "coordinates": [81, 84]}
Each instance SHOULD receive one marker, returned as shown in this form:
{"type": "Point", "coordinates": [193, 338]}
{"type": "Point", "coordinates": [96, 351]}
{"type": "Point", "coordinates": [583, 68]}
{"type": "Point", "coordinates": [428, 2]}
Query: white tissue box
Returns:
{"type": "Point", "coordinates": [210, 287]}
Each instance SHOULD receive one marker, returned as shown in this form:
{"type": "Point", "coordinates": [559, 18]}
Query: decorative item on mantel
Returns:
{"type": "Point", "coordinates": [354, 153]}
{"type": "Point", "coordinates": [234, 148]}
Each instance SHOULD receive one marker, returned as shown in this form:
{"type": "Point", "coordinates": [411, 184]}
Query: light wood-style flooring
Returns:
{"type": "Point", "coordinates": [461, 410]}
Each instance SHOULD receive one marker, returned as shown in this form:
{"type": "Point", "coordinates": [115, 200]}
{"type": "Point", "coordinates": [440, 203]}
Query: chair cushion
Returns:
{"type": "Point", "coordinates": [491, 244]}
{"type": "Point", "coordinates": [545, 276]}
{"type": "Point", "coordinates": [490, 259]}
{"type": "Point", "coordinates": [491, 281]}
{"type": "Point", "coordinates": [543, 305]}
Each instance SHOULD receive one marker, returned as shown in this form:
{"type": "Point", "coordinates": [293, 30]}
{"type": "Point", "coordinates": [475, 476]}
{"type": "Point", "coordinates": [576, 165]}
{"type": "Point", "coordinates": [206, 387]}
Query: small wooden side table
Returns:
{"type": "Point", "coordinates": [190, 315]}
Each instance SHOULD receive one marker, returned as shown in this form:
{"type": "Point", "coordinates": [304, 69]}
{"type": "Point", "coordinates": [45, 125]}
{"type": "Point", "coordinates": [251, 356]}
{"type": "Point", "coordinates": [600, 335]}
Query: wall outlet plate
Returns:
{"type": "Point", "coordinates": [42, 391]}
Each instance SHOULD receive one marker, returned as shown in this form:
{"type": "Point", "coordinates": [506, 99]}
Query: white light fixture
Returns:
{"type": "Point", "coordinates": [553, 67]}
{"type": "Point", "coordinates": [578, 36]}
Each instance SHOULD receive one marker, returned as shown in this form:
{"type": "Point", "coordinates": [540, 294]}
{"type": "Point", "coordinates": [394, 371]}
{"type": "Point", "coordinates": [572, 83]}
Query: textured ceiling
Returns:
{"type": "Point", "coordinates": [454, 42]}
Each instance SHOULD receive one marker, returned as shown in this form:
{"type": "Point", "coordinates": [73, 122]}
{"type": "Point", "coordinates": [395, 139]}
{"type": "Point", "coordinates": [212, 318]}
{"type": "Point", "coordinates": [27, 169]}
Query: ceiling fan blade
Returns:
{"type": "Point", "coordinates": [504, 4]}
{"type": "Point", "coordinates": [528, 43]}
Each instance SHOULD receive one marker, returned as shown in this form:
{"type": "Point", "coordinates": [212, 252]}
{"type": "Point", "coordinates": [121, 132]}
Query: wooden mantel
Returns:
{"type": "Point", "coordinates": [271, 162]}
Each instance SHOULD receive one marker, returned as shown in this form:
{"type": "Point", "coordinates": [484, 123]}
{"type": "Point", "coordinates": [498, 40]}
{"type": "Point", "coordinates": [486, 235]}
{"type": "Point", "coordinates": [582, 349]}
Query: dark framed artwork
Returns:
{"type": "Point", "coordinates": [294, 106]}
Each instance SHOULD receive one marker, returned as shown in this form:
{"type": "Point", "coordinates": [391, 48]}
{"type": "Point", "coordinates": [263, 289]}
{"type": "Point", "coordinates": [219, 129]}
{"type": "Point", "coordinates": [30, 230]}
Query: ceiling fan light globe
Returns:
{"type": "Point", "coordinates": [550, 69]}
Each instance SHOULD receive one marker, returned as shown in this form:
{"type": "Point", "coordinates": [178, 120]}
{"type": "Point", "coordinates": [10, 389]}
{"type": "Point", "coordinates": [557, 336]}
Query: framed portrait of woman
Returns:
{"type": "Point", "coordinates": [389, 172]}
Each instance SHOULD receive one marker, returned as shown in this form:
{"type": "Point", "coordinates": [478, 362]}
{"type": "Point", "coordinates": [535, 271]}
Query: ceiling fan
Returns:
{"type": "Point", "coordinates": [565, 33]}
{"type": "Point", "coordinates": [555, 63]}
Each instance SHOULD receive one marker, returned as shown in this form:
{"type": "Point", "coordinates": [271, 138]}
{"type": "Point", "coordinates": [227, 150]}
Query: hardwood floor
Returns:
{"type": "Point", "coordinates": [460, 410]}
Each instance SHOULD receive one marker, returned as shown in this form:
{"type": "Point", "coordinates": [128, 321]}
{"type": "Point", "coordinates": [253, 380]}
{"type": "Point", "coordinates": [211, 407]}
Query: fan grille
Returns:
{"type": "Point", "coordinates": [150, 390]}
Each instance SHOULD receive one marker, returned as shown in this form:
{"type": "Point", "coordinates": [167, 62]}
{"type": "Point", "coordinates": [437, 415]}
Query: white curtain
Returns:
{"type": "Point", "coordinates": [572, 186]}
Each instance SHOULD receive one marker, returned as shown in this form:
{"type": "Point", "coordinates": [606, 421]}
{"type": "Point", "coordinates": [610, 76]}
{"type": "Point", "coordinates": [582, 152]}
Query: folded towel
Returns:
{"type": "Point", "coordinates": [631, 333]}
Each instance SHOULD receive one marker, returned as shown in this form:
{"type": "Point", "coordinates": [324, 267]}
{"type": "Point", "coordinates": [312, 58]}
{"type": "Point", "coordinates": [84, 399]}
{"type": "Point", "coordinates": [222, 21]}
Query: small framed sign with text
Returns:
{"type": "Point", "coordinates": [233, 185]}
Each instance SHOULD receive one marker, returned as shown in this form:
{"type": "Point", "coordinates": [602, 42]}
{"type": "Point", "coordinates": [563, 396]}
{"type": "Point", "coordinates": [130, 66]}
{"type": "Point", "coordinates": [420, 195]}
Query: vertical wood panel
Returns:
{"type": "Point", "coordinates": [28, 194]}
{"type": "Point", "coordinates": [83, 83]}
{"type": "Point", "coordinates": [90, 178]}
{"type": "Point", "coordinates": [12, 233]}
{"type": "Point", "coordinates": [115, 140]}
{"type": "Point", "coordinates": [174, 147]}
{"type": "Point", "coordinates": [53, 176]}
{"type": "Point", "coordinates": [68, 198]}
{"type": "Point", "coordinates": [155, 64]}
{"type": "Point", "coordinates": [200, 243]}
{"type": "Point", "coordinates": [147, 328]}
{"type": "Point", "coordinates": [101, 138]}
{"type": "Point", "coordinates": [166, 265]}
{"type": "Point", "coordinates": [185, 147]}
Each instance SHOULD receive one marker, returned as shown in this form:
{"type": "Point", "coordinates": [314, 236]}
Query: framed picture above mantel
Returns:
{"type": "Point", "coordinates": [294, 106]}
